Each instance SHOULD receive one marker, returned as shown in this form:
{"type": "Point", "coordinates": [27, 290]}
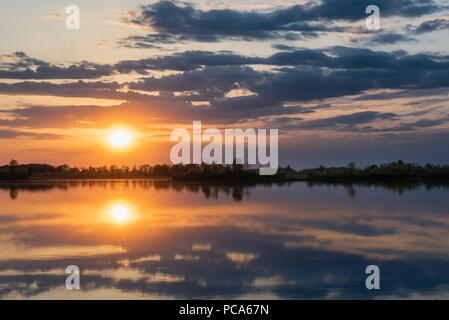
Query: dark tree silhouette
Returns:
{"type": "Point", "coordinates": [13, 164]}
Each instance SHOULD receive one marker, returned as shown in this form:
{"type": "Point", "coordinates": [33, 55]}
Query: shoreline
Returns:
{"type": "Point", "coordinates": [394, 172]}
{"type": "Point", "coordinates": [340, 180]}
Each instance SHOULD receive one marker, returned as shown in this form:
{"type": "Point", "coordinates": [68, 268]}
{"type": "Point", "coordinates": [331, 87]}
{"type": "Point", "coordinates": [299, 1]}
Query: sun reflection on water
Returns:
{"type": "Point", "coordinates": [120, 213]}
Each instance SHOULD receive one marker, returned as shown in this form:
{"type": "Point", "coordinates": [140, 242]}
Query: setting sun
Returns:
{"type": "Point", "coordinates": [120, 138]}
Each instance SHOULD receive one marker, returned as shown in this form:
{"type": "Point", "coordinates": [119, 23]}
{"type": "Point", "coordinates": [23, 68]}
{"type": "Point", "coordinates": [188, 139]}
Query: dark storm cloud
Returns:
{"type": "Point", "coordinates": [185, 61]}
{"type": "Point", "coordinates": [173, 22]}
{"type": "Point", "coordinates": [337, 57]}
{"type": "Point", "coordinates": [284, 47]}
{"type": "Point", "coordinates": [271, 92]}
{"type": "Point", "coordinates": [186, 22]}
{"type": "Point", "coordinates": [73, 89]}
{"type": "Point", "coordinates": [149, 41]}
{"type": "Point", "coordinates": [289, 84]}
{"type": "Point", "coordinates": [386, 38]}
{"type": "Point", "coordinates": [297, 84]}
{"type": "Point", "coordinates": [354, 10]}
{"type": "Point", "coordinates": [405, 94]}
{"type": "Point", "coordinates": [430, 26]}
{"type": "Point", "coordinates": [22, 60]}
{"type": "Point", "coordinates": [303, 75]}
{"type": "Point", "coordinates": [350, 120]}
{"type": "Point", "coordinates": [24, 67]}
{"type": "Point", "coordinates": [349, 71]}
{"type": "Point", "coordinates": [207, 80]}
{"type": "Point", "coordinates": [361, 58]}
{"type": "Point", "coordinates": [423, 123]}
{"type": "Point", "coordinates": [81, 71]}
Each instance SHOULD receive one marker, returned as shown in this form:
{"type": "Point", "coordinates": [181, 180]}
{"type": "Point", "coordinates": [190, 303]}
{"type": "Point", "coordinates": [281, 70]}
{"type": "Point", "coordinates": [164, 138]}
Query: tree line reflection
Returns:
{"type": "Point", "coordinates": [210, 190]}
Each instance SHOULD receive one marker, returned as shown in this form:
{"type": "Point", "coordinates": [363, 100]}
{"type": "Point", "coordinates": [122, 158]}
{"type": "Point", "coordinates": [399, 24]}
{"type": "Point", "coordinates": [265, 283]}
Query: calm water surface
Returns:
{"type": "Point", "coordinates": [159, 240]}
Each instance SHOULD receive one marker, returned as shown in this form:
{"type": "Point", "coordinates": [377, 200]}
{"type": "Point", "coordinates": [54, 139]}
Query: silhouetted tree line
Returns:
{"type": "Point", "coordinates": [393, 171]}
{"type": "Point", "coordinates": [177, 172]}
{"type": "Point", "coordinates": [397, 170]}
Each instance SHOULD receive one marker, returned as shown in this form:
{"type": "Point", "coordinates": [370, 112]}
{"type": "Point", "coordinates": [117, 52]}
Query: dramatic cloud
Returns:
{"type": "Point", "coordinates": [423, 123]}
{"type": "Point", "coordinates": [430, 26]}
{"type": "Point", "coordinates": [186, 61]}
{"type": "Point", "coordinates": [346, 122]}
{"type": "Point", "coordinates": [172, 22]}
{"type": "Point", "coordinates": [73, 89]}
{"type": "Point", "coordinates": [341, 89]}
{"type": "Point", "coordinates": [24, 67]}
{"type": "Point", "coordinates": [312, 68]}
{"type": "Point", "coordinates": [231, 90]}
{"type": "Point", "coordinates": [337, 57]}
{"type": "Point", "coordinates": [384, 38]}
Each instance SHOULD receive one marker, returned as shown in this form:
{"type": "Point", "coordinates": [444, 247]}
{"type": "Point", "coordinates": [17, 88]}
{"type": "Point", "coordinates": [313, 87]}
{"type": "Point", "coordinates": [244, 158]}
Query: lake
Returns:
{"type": "Point", "coordinates": [149, 239]}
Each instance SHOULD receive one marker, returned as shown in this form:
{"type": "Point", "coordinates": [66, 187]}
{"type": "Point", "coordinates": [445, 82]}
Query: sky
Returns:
{"type": "Point", "coordinates": [336, 91]}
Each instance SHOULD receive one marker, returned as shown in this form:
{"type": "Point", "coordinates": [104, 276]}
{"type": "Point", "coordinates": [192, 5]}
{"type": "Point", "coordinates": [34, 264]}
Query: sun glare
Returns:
{"type": "Point", "coordinates": [120, 213]}
{"type": "Point", "coordinates": [120, 138]}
